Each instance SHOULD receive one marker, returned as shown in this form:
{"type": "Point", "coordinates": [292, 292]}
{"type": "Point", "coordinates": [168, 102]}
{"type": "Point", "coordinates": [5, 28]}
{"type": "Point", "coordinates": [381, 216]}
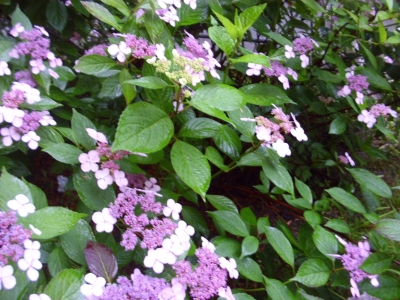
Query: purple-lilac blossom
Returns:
{"type": "Point", "coordinates": [176, 292]}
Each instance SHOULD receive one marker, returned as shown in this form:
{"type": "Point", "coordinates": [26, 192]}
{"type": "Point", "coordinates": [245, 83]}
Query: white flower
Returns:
{"type": "Point", "coordinates": [104, 221]}
{"type": "Point", "coordinates": [355, 45]}
{"type": "Point", "coordinates": [31, 250]}
{"type": "Point", "coordinates": [292, 73]}
{"type": "Point", "coordinates": [47, 120]}
{"type": "Point", "coordinates": [387, 59]}
{"type": "Point", "coordinates": [160, 52]}
{"type": "Point", "coordinates": [31, 266]}
{"type": "Point", "coordinates": [39, 297]}
{"type": "Point", "coordinates": [35, 230]}
{"type": "Point", "coordinates": [282, 148]}
{"type": "Point", "coordinates": [7, 280]}
{"type": "Point", "coordinates": [53, 60]}
{"type": "Point", "coordinates": [304, 60]}
{"type": "Point", "coordinates": [104, 178]}
{"type": "Point", "coordinates": [230, 265]}
{"type": "Point", "coordinates": [192, 3]}
{"type": "Point", "coordinates": [13, 116]}
{"type": "Point", "coordinates": [17, 29]}
{"type": "Point", "coordinates": [355, 292]}
{"type": "Point", "coordinates": [168, 15]}
{"type": "Point", "coordinates": [94, 285]}
{"type": "Point", "coordinates": [119, 178]}
{"type": "Point", "coordinates": [22, 205]}
{"type": "Point", "coordinates": [176, 292]}
{"type": "Point", "coordinates": [207, 245]}
{"type": "Point", "coordinates": [289, 53]}
{"type": "Point", "coordinates": [298, 132]}
{"type": "Point", "coordinates": [184, 231]}
{"type": "Point", "coordinates": [157, 258]}
{"type": "Point", "coordinates": [120, 51]}
{"type": "Point", "coordinates": [345, 91]}
{"type": "Point", "coordinates": [351, 161]}
{"type": "Point", "coordinates": [4, 70]}
{"type": "Point", "coordinates": [32, 139]}
{"type": "Point", "coordinates": [174, 245]}
{"type": "Point", "coordinates": [263, 133]}
{"type": "Point", "coordinates": [173, 209]}
{"type": "Point", "coordinates": [253, 69]}
{"type": "Point", "coordinates": [53, 74]}
{"type": "Point", "coordinates": [37, 65]}
{"type": "Point", "coordinates": [367, 118]}
{"type": "Point", "coordinates": [98, 136]}
{"type": "Point", "coordinates": [359, 98]}
{"type": "Point", "coordinates": [226, 293]}
{"type": "Point", "coordinates": [9, 134]}
{"type": "Point", "coordinates": [89, 161]}
{"type": "Point", "coordinates": [285, 81]}
{"type": "Point", "coordinates": [374, 280]}
{"type": "Point", "coordinates": [151, 185]}
{"type": "Point", "coordinates": [31, 94]}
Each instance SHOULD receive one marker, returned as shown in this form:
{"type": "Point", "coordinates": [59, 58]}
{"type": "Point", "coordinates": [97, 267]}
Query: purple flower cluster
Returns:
{"type": "Point", "coordinates": [358, 83]}
{"type": "Point", "coordinates": [152, 231]}
{"type": "Point", "coordinates": [303, 45]}
{"type": "Point", "coordinates": [97, 49]}
{"type": "Point", "coordinates": [369, 117]}
{"type": "Point", "coordinates": [12, 237]}
{"type": "Point", "coordinates": [139, 287]}
{"type": "Point", "coordinates": [140, 47]}
{"type": "Point", "coordinates": [25, 77]}
{"type": "Point", "coordinates": [206, 279]}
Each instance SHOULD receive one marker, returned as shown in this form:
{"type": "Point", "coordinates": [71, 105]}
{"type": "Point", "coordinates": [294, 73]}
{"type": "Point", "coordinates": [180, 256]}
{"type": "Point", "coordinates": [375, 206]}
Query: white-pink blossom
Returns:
{"type": "Point", "coordinates": [89, 161]}
{"type": "Point", "coordinates": [32, 139]}
{"type": "Point", "coordinates": [104, 220]}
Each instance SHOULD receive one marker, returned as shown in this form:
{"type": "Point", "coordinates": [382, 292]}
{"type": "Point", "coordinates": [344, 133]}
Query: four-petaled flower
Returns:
{"type": "Point", "coordinates": [39, 297]}
{"type": "Point", "coordinates": [104, 221]}
{"type": "Point", "coordinates": [104, 178]}
{"type": "Point", "coordinates": [94, 285]}
{"type": "Point", "coordinates": [119, 51]}
{"type": "Point", "coordinates": [282, 148]}
{"type": "Point", "coordinates": [98, 136]}
{"type": "Point", "coordinates": [7, 280]}
{"type": "Point", "coordinates": [32, 139]}
{"type": "Point", "coordinates": [22, 205]}
{"type": "Point", "coordinates": [230, 266]}
{"type": "Point", "coordinates": [89, 161]}
{"type": "Point", "coordinates": [31, 266]}
{"type": "Point", "coordinates": [289, 53]}
{"type": "Point", "coordinates": [176, 292]}
{"type": "Point", "coordinates": [172, 209]}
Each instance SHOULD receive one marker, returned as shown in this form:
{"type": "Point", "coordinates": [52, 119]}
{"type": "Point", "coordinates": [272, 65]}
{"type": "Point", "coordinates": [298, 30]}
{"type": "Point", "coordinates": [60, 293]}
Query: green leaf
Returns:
{"type": "Point", "coordinates": [371, 182]}
{"type": "Point", "coordinates": [243, 296]}
{"type": "Point", "coordinates": [128, 90]}
{"type": "Point", "coordinates": [388, 288]}
{"type": "Point", "coordinates": [265, 94]}
{"type": "Point", "coordinates": [215, 158]}
{"type": "Point", "coordinates": [375, 79]}
{"type": "Point", "coordinates": [143, 127]}
{"type": "Point", "coordinates": [249, 246]}
{"type": "Point", "coordinates": [365, 50]}
{"type": "Point", "coordinates": [278, 174]}
{"type": "Point", "coordinates": [393, 40]}
{"type": "Point", "coordinates": [89, 192]}
{"type": "Point", "coordinates": [313, 218]}
{"type": "Point", "coordinates": [325, 241]}
{"type": "Point", "coordinates": [220, 36]}
{"type": "Point", "coordinates": [52, 221]}
{"type": "Point", "coordinates": [277, 290]}
{"type": "Point", "coordinates": [97, 65]}
{"type": "Point", "coordinates": [230, 27]}
{"type": "Point", "coordinates": [6, 45]}
{"type": "Point", "coordinates": [149, 82]}
{"type": "Point", "coordinates": [245, 128]}
{"type": "Point", "coordinates": [346, 199]}
{"type": "Point", "coordinates": [338, 125]}
{"type": "Point", "coordinates": [38, 196]}
{"type": "Point", "coordinates": [259, 59]}
{"type": "Point", "coordinates": [120, 5]}
{"type": "Point", "coordinates": [19, 17]}
{"type": "Point", "coordinates": [48, 136]}
{"type": "Point", "coordinates": [228, 141]}
{"type": "Point", "coordinates": [188, 16]}
{"type": "Point", "coordinates": [326, 76]}
{"type": "Point", "coordinates": [250, 269]}
{"type": "Point", "coordinates": [279, 39]}
{"type": "Point", "coordinates": [58, 261]}
{"type": "Point", "coordinates": [280, 244]}
{"type": "Point", "coordinates": [389, 228]}
{"type": "Point", "coordinates": [314, 6]}
{"type": "Point", "coordinates": [193, 217]}
{"type": "Point", "coordinates": [79, 123]}
{"type": "Point", "coordinates": [74, 242]}
{"type": "Point", "coordinates": [230, 221]}
{"type": "Point", "coordinates": [222, 203]}
{"type": "Point", "coordinates": [57, 14]}
{"type": "Point", "coordinates": [377, 263]}
{"type": "Point", "coordinates": [101, 13]}
{"type": "Point", "coordinates": [302, 295]}
{"type": "Point", "coordinates": [10, 187]}
{"type": "Point", "coordinates": [226, 247]}
{"type": "Point", "coordinates": [111, 88]}
{"type": "Point", "coordinates": [338, 225]}
{"type": "Point", "coordinates": [312, 273]}
{"type": "Point", "coordinates": [64, 153]}
{"type": "Point", "coordinates": [249, 16]}
{"type": "Point", "coordinates": [200, 128]}
{"type": "Point", "coordinates": [191, 166]}
{"type": "Point", "coordinates": [304, 190]}
{"type": "Point", "coordinates": [45, 103]}
{"type": "Point", "coordinates": [66, 285]}
{"type": "Point", "coordinates": [219, 96]}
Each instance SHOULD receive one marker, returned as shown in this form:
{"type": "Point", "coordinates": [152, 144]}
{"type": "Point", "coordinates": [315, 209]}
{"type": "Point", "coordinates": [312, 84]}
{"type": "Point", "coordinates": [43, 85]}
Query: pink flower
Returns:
{"type": "Point", "coordinates": [89, 161]}
{"type": "Point", "coordinates": [104, 221]}
{"type": "Point", "coordinates": [104, 178]}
